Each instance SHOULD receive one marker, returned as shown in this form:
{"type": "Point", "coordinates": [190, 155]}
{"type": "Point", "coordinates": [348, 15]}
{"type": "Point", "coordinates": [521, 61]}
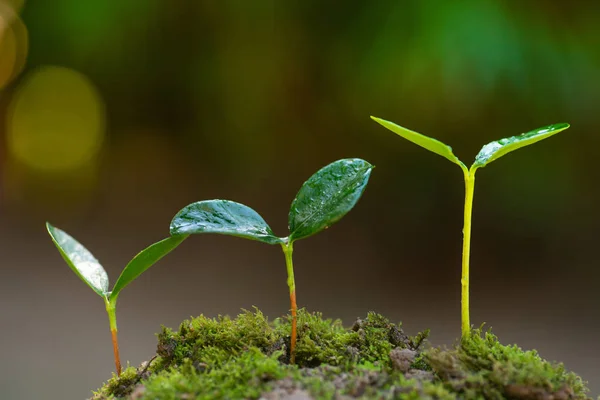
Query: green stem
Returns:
{"type": "Point", "coordinates": [111, 305]}
{"type": "Point", "coordinates": [469, 190]}
{"type": "Point", "coordinates": [288, 249]}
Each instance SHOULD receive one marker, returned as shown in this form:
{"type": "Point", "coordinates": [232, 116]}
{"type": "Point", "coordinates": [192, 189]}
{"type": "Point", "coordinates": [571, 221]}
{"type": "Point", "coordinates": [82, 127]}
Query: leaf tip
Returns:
{"type": "Point", "coordinates": [51, 229]}
{"type": "Point", "coordinates": [367, 164]}
{"type": "Point", "coordinates": [560, 126]}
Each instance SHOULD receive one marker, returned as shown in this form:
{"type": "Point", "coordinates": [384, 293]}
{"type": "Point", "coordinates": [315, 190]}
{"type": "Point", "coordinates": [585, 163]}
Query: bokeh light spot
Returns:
{"type": "Point", "coordinates": [14, 44]}
{"type": "Point", "coordinates": [56, 120]}
{"type": "Point", "coordinates": [16, 5]}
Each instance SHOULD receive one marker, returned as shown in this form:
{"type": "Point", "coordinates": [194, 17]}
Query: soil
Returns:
{"type": "Point", "coordinates": [248, 358]}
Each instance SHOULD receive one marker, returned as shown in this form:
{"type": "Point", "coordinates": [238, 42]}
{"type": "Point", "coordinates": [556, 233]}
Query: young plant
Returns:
{"type": "Point", "coordinates": [488, 153]}
{"type": "Point", "coordinates": [89, 270]}
{"type": "Point", "coordinates": [322, 200]}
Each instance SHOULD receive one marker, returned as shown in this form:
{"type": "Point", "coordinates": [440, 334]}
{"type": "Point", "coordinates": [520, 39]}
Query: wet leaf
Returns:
{"type": "Point", "coordinates": [327, 196]}
{"type": "Point", "coordinates": [433, 145]}
{"type": "Point", "coordinates": [144, 260]}
{"type": "Point", "coordinates": [494, 150]}
{"type": "Point", "coordinates": [223, 217]}
{"type": "Point", "coordinates": [81, 261]}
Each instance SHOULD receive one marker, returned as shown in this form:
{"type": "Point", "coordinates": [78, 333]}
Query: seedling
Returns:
{"type": "Point", "coordinates": [322, 200]}
{"type": "Point", "coordinates": [488, 153]}
{"type": "Point", "coordinates": [89, 270]}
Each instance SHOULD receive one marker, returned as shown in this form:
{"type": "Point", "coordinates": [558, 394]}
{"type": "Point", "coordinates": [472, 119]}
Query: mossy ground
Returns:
{"type": "Point", "coordinates": [247, 358]}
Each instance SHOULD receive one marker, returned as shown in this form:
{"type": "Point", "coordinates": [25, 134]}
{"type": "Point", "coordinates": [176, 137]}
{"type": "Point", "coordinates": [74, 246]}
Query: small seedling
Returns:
{"type": "Point", "coordinates": [89, 270]}
{"type": "Point", "coordinates": [322, 200]}
{"type": "Point", "coordinates": [488, 153]}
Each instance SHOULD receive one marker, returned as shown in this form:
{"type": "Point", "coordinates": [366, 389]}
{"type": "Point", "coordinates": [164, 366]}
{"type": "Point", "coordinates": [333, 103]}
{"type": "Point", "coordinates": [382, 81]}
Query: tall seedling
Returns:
{"type": "Point", "coordinates": [322, 200]}
{"type": "Point", "coordinates": [89, 270]}
{"type": "Point", "coordinates": [488, 153]}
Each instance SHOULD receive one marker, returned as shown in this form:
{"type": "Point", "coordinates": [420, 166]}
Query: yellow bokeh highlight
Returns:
{"type": "Point", "coordinates": [56, 120]}
{"type": "Point", "coordinates": [14, 44]}
{"type": "Point", "coordinates": [16, 5]}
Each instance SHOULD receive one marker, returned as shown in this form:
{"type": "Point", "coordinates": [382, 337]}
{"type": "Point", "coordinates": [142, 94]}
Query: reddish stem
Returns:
{"type": "Point", "coordinates": [116, 350]}
{"type": "Point", "coordinates": [294, 324]}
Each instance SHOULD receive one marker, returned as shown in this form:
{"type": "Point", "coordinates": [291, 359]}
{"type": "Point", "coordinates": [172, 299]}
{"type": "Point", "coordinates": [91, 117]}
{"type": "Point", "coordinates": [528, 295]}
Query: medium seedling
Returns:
{"type": "Point", "coordinates": [322, 200]}
{"type": "Point", "coordinates": [488, 153]}
{"type": "Point", "coordinates": [89, 270]}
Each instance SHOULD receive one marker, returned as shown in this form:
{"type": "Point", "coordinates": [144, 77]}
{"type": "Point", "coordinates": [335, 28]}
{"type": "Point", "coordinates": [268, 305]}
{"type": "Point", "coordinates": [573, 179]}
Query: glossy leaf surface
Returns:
{"type": "Point", "coordinates": [494, 150]}
{"type": "Point", "coordinates": [144, 260]}
{"type": "Point", "coordinates": [433, 145]}
{"type": "Point", "coordinates": [327, 196]}
{"type": "Point", "coordinates": [81, 261]}
{"type": "Point", "coordinates": [223, 217]}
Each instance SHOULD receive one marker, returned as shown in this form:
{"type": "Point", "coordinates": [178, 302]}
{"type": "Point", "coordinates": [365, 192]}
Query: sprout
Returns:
{"type": "Point", "coordinates": [488, 153]}
{"type": "Point", "coordinates": [322, 200]}
{"type": "Point", "coordinates": [89, 270]}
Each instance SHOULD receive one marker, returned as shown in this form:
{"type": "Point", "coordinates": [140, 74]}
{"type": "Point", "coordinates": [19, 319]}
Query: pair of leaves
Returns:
{"type": "Point", "coordinates": [88, 268]}
{"type": "Point", "coordinates": [323, 199]}
{"type": "Point", "coordinates": [488, 153]}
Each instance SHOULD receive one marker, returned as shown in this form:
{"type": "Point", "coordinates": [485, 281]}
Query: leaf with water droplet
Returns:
{"type": "Point", "coordinates": [223, 217]}
{"type": "Point", "coordinates": [327, 196]}
{"type": "Point", "coordinates": [81, 261]}
{"type": "Point", "coordinates": [144, 260]}
{"type": "Point", "coordinates": [494, 150]}
{"type": "Point", "coordinates": [433, 145]}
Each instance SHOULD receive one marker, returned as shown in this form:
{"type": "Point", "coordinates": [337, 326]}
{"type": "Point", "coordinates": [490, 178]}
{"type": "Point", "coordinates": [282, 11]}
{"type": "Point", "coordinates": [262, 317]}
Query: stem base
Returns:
{"type": "Point", "coordinates": [464, 281]}
{"type": "Point", "coordinates": [288, 249]}
{"type": "Point", "coordinates": [115, 343]}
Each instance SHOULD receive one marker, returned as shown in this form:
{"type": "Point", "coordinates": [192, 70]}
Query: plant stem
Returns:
{"type": "Point", "coordinates": [469, 190]}
{"type": "Point", "coordinates": [288, 249]}
{"type": "Point", "coordinates": [112, 319]}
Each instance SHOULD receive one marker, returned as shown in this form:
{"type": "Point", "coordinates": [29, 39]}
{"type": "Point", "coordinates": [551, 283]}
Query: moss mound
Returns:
{"type": "Point", "coordinates": [247, 358]}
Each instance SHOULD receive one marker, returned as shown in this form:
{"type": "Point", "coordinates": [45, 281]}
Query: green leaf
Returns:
{"type": "Point", "coordinates": [433, 145]}
{"type": "Point", "coordinates": [327, 196]}
{"type": "Point", "coordinates": [81, 261]}
{"type": "Point", "coordinates": [223, 217]}
{"type": "Point", "coordinates": [144, 260]}
{"type": "Point", "coordinates": [494, 150]}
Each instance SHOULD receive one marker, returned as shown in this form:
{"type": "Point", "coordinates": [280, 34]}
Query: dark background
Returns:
{"type": "Point", "coordinates": [126, 111]}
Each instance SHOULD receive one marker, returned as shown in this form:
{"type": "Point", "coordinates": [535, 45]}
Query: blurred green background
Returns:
{"type": "Point", "coordinates": [116, 114]}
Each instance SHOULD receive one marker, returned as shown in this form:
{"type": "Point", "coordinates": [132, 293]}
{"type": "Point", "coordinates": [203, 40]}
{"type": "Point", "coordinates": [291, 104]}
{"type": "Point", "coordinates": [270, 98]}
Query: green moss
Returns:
{"type": "Point", "coordinates": [481, 365]}
{"type": "Point", "coordinates": [247, 357]}
{"type": "Point", "coordinates": [325, 341]}
{"type": "Point", "coordinates": [121, 386]}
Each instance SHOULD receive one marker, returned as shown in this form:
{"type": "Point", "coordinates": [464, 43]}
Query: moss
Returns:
{"type": "Point", "coordinates": [121, 386]}
{"type": "Point", "coordinates": [483, 366]}
{"type": "Point", "coordinates": [247, 358]}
